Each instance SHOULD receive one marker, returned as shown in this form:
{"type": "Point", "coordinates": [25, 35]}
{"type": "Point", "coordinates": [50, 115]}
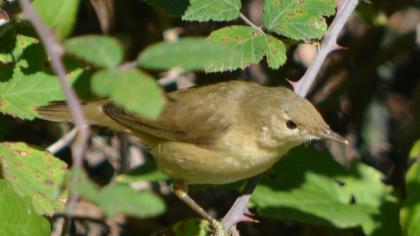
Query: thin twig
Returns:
{"type": "Point", "coordinates": [55, 51]}
{"type": "Point", "coordinates": [63, 142]}
{"type": "Point", "coordinates": [249, 22]}
{"type": "Point", "coordinates": [237, 212]}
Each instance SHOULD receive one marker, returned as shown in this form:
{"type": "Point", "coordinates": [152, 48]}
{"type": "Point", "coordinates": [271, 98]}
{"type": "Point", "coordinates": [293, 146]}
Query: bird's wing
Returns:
{"type": "Point", "coordinates": [195, 115]}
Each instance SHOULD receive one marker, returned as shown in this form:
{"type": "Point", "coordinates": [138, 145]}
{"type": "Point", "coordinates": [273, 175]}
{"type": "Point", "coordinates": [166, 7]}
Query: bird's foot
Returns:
{"type": "Point", "coordinates": [217, 228]}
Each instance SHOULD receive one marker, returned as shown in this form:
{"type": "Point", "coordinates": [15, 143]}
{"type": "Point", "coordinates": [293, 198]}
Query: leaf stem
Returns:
{"type": "Point", "coordinates": [55, 51]}
{"type": "Point", "coordinates": [249, 22]}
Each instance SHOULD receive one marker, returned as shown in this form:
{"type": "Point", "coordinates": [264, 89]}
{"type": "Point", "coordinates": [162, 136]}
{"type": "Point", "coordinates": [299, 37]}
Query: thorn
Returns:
{"type": "Point", "coordinates": [245, 218]}
{"type": "Point", "coordinates": [247, 212]}
{"type": "Point", "coordinates": [338, 47]}
{"type": "Point", "coordinates": [294, 84]}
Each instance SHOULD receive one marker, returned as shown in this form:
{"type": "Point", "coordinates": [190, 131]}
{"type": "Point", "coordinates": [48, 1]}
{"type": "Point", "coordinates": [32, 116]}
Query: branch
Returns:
{"type": "Point", "coordinates": [239, 210]}
{"type": "Point", "coordinates": [62, 142]}
{"type": "Point", "coordinates": [55, 51]}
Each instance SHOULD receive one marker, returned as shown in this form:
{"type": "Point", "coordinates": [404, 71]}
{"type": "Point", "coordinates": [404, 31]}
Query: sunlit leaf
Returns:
{"type": "Point", "coordinates": [187, 53]}
{"type": "Point", "coordinates": [251, 45]}
{"type": "Point", "coordinates": [297, 19]}
{"type": "Point", "coordinates": [132, 89]}
{"type": "Point", "coordinates": [60, 15]}
{"type": "Point", "coordinates": [307, 186]}
{"type": "Point", "coordinates": [102, 51]}
{"type": "Point", "coordinates": [410, 212]}
{"type": "Point", "coordinates": [34, 173]}
{"type": "Point", "coordinates": [216, 10]}
{"type": "Point", "coordinates": [17, 217]}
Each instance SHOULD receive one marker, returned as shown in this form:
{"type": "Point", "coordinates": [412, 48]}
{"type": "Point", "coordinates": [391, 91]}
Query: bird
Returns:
{"type": "Point", "coordinates": [213, 134]}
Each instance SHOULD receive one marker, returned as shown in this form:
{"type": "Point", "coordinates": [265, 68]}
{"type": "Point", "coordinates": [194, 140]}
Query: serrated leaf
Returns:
{"type": "Point", "coordinates": [20, 96]}
{"type": "Point", "coordinates": [13, 45]}
{"type": "Point", "coordinates": [17, 217]}
{"type": "Point", "coordinates": [190, 227]}
{"type": "Point", "coordinates": [275, 52]}
{"type": "Point", "coordinates": [147, 172]}
{"type": "Point", "coordinates": [296, 19]}
{"type": "Point", "coordinates": [20, 54]}
{"type": "Point", "coordinates": [60, 15]}
{"type": "Point", "coordinates": [410, 211]}
{"type": "Point", "coordinates": [102, 51]}
{"type": "Point", "coordinates": [216, 10]}
{"type": "Point", "coordinates": [251, 46]}
{"type": "Point", "coordinates": [131, 89]}
{"type": "Point", "coordinates": [122, 199]}
{"type": "Point", "coordinates": [307, 186]}
{"type": "Point", "coordinates": [172, 7]}
{"type": "Point", "coordinates": [188, 53]}
{"type": "Point", "coordinates": [34, 173]}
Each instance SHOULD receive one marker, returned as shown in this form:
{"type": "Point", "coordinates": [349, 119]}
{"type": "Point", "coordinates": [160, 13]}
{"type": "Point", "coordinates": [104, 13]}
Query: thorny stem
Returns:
{"type": "Point", "coordinates": [55, 51]}
{"type": "Point", "coordinates": [237, 212]}
{"type": "Point", "coordinates": [329, 44]}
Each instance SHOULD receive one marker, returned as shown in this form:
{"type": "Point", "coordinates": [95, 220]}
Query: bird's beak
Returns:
{"type": "Point", "coordinates": [327, 133]}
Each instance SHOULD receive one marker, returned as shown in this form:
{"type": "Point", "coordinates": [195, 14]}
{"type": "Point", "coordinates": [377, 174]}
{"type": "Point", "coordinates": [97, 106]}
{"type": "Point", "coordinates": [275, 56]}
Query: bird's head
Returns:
{"type": "Point", "coordinates": [293, 120]}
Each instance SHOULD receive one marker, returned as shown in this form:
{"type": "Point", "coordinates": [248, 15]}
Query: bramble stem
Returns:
{"type": "Point", "coordinates": [55, 51]}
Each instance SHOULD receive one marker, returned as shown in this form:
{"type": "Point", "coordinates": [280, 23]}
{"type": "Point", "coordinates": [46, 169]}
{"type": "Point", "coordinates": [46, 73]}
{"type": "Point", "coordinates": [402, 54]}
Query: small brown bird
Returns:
{"type": "Point", "coordinates": [214, 134]}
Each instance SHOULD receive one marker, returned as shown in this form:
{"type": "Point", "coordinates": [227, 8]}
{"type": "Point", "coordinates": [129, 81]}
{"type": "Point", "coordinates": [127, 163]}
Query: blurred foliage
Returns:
{"type": "Point", "coordinates": [370, 92]}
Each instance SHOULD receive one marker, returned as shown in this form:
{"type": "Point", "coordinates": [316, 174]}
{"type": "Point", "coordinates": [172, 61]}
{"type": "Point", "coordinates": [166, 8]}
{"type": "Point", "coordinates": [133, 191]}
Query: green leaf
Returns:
{"type": "Point", "coordinates": [13, 45]}
{"type": "Point", "coordinates": [190, 227]}
{"type": "Point", "coordinates": [20, 54]}
{"type": "Point", "coordinates": [60, 15]}
{"type": "Point", "coordinates": [188, 53]}
{"type": "Point", "coordinates": [20, 96]}
{"type": "Point", "coordinates": [415, 151]}
{"type": "Point", "coordinates": [296, 19]}
{"type": "Point", "coordinates": [102, 51]}
{"type": "Point", "coordinates": [122, 199]}
{"type": "Point", "coordinates": [172, 7]}
{"type": "Point", "coordinates": [410, 211]}
{"type": "Point", "coordinates": [17, 217]}
{"type": "Point", "coordinates": [307, 186]}
{"type": "Point", "coordinates": [275, 52]}
{"type": "Point", "coordinates": [216, 10]}
{"type": "Point", "coordinates": [34, 173]}
{"type": "Point", "coordinates": [251, 46]}
{"type": "Point", "coordinates": [147, 172]}
{"type": "Point", "coordinates": [132, 89]}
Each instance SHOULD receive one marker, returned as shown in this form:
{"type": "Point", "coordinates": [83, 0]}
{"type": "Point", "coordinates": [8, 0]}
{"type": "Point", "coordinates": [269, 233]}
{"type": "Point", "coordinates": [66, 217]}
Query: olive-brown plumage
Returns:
{"type": "Point", "coordinates": [214, 134]}
{"type": "Point", "coordinates": [218, 133]}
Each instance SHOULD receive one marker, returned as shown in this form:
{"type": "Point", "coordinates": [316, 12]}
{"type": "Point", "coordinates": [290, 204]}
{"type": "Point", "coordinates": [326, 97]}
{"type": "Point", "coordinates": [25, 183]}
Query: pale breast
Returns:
{"type": "Point", "coordinates": [199, 165]}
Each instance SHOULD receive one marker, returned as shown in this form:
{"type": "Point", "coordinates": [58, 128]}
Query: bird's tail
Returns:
{"type": "Point", "coordinates": [92, 111]}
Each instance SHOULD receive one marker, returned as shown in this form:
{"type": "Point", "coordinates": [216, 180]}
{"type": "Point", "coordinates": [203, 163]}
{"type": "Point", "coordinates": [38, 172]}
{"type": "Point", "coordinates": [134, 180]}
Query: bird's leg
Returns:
{"type": "Point", "coordinates": [180, 189]}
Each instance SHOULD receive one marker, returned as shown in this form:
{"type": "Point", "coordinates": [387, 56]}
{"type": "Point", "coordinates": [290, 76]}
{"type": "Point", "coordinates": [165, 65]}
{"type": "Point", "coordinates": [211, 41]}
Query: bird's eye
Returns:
{"type": "Point", "coordinates": [291, 124]}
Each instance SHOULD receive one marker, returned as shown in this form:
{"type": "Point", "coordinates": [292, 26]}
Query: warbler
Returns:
{"type": "Point", "coordinates": [214, 134]}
